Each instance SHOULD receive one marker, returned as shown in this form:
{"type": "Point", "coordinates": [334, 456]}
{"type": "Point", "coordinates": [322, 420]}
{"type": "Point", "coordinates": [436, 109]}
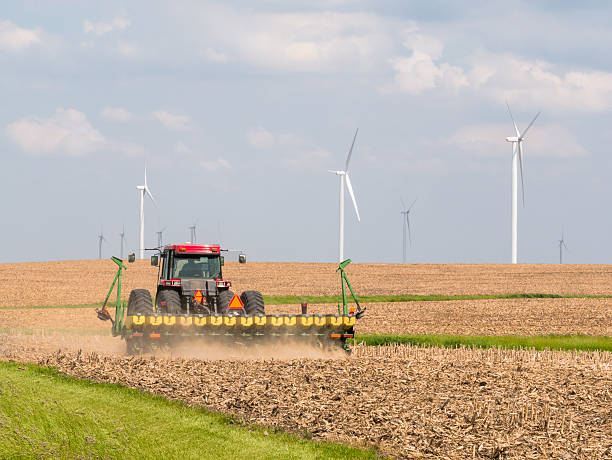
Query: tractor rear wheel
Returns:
{"type": "Point", "coordinates": [168, 301]}
{"type": "Point", "coordinates": [223, 301]}
{"type": "Point", "coordinates": [253, 303]}
{"type": "Point", "coordinates": [140, 303]}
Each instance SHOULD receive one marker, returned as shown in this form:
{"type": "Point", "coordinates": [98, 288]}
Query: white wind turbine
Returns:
{"type": "Point", "coordinates": [561, 246]}
{"type": "Point", "coordinates": [406, 222]}
{"type": "Point", "coordinates": [122, 235]}
{"type": "Point", "coordinates": [144, 189]}
{"type": "Point", "coordinates": [517, 158]}
{"type": "Point", "coordinates": [344, 174]}
{"type": "Point", "coordinates": [100, 240]}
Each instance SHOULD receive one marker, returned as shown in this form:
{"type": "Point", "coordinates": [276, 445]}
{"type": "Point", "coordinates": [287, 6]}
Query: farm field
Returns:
{"type": "Point", "coordinates": [405, 401]}
{"type": "Point", "coordinates": [86, 282]}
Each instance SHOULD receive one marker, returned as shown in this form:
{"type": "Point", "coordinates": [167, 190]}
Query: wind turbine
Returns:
{"type": "Point", "coordinates": [517, 158]}
{"type": "Point", "coordinates": [406, 222]}
{"type": "Point", "coordinates": [192, 232]}
{"type": "Point", "coordinates": [160, 237]}
{"type": "Point", "coordinates": [561, 246]}
{"type": "Point", "coordinates": [144, 189]}
{"type": "Point", "coordinates": [100, 240]}
{"type": "Point", "coordinates": [344, 174]}
{"type": "Point", "coordinates": [122, 235]}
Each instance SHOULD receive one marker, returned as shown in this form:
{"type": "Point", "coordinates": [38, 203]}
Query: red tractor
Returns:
{"type": "Point", "coordinates": [191, 283]}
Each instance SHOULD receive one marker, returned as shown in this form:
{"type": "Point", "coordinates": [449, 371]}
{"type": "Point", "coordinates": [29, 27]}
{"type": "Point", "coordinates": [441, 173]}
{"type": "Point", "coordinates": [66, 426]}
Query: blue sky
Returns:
{"type": "Point", "coordinates": [240, 108]}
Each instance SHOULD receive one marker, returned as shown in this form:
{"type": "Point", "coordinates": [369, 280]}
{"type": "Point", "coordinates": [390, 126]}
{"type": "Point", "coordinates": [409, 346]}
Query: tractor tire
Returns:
{"type": "Point", "coordinates": [223, 301]}
{"type": "Point", "coordinates": [140, 303]}
{"type": "Point", "coordinates": [253, 303]}
{"type": "Point", "coordinates": [168, 302]}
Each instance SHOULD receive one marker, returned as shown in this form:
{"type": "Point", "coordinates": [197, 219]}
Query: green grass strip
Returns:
{"type": "Point", "coordinates": [538, 342]}
{"type": "Point", "coordinates": [46, 414]}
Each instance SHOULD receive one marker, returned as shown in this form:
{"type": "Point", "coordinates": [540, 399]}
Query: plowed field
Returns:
{"type": "Point", "coordinates": [409, 402]}
{"type": "Point", "coordinates": [82, 282]}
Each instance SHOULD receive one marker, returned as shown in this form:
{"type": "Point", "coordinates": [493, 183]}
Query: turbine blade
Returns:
{"type": "Point", "coordinates": [520, 154]}
{"type": "Point", "coordinates": [145, 171]}
{"type": "Point", "coordinates": [529, 126]}
{"type": "Point", "coordinates": [518, 134]}
{"type": "Point", "coordinates": [150, 195]}
{"type": "Point", "coordinates": [403, 204]}
{"type": "Point", "coordinates": [350, 151]}
{"type": "Point", "coordinates": [409, 234]}
{"type": "Point", "coordinates": [415, 200]}
{"type": "Point", "coordinates": [350, 190]}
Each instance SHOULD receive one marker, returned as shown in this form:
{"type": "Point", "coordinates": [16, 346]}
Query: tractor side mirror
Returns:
{"type": "Point", "coordinates": [222, 260]}
{"type": "Point", "coordinates": [242, 258]}
{"type": "Point", "coordinates": [131, 257]}
{"type": "Point", "coordinates": [154, 260]}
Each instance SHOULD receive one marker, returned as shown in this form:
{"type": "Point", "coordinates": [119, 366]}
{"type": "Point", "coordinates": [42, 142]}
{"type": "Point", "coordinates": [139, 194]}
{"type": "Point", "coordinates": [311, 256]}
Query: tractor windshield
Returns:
{"type": "Point", "coordinates": [196, 266]}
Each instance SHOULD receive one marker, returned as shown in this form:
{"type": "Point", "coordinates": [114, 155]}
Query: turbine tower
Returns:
{"type": "Point", "coordinates": [143, 189]}
{"type": "Point", "coordinates": [344, 174]}
{"type": "Point", "coordinates": [406, 223]}
{"type": "Point", "coordinates": [517, 158]}
{"type": "Point", "coordinates": [100, 240]}
{"type": "Point", "coordinates": [122, 235]}
{"type": "Point", "coordinates": [561, 246]}
{"type": "Point", "coordinates": [192, 232]}
{"type": "Point", "coordinates": [159, 234]}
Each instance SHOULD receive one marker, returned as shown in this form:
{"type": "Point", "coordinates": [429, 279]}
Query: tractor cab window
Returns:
{"type": "Point", "coordinates": [196, 266]}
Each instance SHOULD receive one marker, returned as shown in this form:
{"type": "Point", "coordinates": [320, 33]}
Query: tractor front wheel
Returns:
{"type": "Point", "coordinates": [253, 303]}
{"type": "Point", "coordinates": [140, 303]}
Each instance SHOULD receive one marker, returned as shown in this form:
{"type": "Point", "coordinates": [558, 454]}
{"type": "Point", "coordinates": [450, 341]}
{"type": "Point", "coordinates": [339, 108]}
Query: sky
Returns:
{"type": "Point", "coordinates": [239, 109]}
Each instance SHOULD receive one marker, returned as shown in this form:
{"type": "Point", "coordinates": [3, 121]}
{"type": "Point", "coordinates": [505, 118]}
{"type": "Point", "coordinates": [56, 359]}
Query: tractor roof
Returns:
{"type": "Point", "coordinates": [193, 248]}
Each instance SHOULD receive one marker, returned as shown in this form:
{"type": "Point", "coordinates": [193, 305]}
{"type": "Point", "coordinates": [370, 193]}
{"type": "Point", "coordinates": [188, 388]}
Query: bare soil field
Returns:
{"type": "Point", "coordinates": [409, 402]}
{"type": "Point", "coordinates": [462, 317]}
{"type": "Point", "coordinates": [83, 282]}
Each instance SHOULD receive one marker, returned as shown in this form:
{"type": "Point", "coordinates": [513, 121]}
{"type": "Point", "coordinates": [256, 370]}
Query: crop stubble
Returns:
{"type": "Point", "coordinates": [407, 401]}
{"type": "Point", "coordinates": [83, 282]}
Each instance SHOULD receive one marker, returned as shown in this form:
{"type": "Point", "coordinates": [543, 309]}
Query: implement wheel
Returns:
{"type": "Point", "coordinates": [140, 303]}
{"type": "Point", "coordinates": [253, 303]}
{"type": "Point", "coordinates": [168, 301]}
{"type": "Point", "coordinates": [223, 301]}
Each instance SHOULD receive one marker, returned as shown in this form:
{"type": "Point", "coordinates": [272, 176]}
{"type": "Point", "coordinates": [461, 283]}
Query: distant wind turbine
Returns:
{"type": "Point", "coordinates": [561, 246]}
{"type": "Point", "coordinates": [517, 158]}
{"type": "Point", "coordinates": [122, 235]}
{"type": "Point", "coordinates": [100, 240]}
{"type": "Point", "coordinates": [344, 174]}
{"type": "Point", "coordinates": [192, 232]}
{"type": "Point", "coordinates": [406, 223]}
{"type": "Point", "coordinates": [144, 189]}
{"type": "Point", "coordinates": [160, 237]}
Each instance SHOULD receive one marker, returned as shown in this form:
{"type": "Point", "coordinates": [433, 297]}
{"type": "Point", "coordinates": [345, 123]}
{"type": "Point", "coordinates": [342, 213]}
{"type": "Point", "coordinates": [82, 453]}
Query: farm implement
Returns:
{"type": "Point", "coordinates": [194, 306]}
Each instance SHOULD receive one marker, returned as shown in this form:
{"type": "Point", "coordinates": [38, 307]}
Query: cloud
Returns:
{"type": "Point", "coordinates": [260, 138]}
{"type": "Point", "coordinates": [14, 38]}
{"type": "Point", "coordinates": [102, 28]}
{"type": "Point", "coordinates": [216, 165]}
{"type": "Point", "coordinates": [116, 114]}
{"type": "Point", "coordinates": [182, 148]}
{"type": "Point", "coordinates": [542, 141]}
{"type": "Point", "coordinates": [172, 121]}
{"type": "Point", "coordinates": [67, 132]}
{"type": "Point", "coordinates": [311, 41]}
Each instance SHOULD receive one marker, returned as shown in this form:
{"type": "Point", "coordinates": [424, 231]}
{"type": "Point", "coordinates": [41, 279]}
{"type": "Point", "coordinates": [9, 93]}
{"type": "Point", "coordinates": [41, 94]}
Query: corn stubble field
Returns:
{"type": "Point", "coordinates": [407, 401]}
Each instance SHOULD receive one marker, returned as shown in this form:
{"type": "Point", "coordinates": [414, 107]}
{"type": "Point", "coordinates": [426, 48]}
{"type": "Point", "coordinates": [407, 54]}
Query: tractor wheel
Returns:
{"type": "Point", "coordinates": [223, 301]}
{"type": "Point", "coordinates": [253, 303]}
{"type": "Point", "coordinates": [140, 303]}
{"type": "Point", "coordinates": [168, 302]}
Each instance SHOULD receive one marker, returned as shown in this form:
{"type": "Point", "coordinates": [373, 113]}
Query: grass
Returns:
{"type": "Point", "coordinates": [293, 299]}
{"type": "Point", "coordinates": [46, 414]}
{"type": "Point", "coordinates": [538, 342]}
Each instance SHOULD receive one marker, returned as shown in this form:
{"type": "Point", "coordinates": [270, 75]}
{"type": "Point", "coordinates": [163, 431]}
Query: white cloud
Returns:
{"type": "Point", "coordinates": [127, 49]}
{"type": "Point", "coordinates": [67, 132]}
{"type": "Point", "coordinates": [101, 28]}
{"type": "Point", "coordinates": [260, 138]}
{"type": "Point", "coordinates": [216, 165]}
{"type": "Point", "coordinates": [488, 140]}
{"type": "Point", "coordinates": [182, 148]}
{"type": "Point", "coordinates": [172, 121]}
{"type": "Point", "coordinates": [14, 38]}
{"type": "Point", "coordinates": [116, 114]}
{"type": "Point", "coordinates": [312, 41]}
